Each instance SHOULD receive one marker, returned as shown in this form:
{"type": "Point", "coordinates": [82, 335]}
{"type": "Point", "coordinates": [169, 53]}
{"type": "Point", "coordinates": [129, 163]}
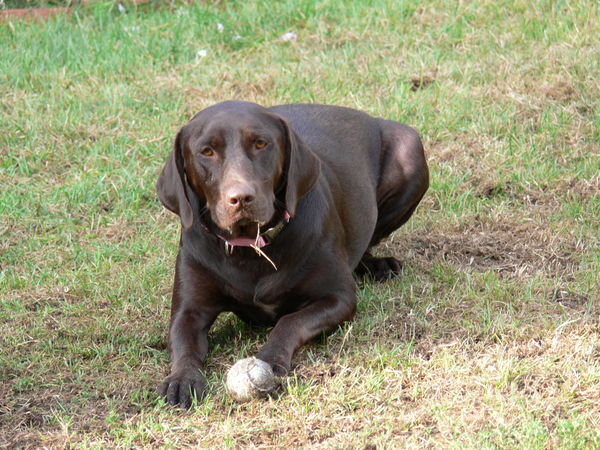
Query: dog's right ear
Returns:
{"type": "Point", "coordinates": [171, 186]}
{"type": "Point", "coordinates": [303, 168]}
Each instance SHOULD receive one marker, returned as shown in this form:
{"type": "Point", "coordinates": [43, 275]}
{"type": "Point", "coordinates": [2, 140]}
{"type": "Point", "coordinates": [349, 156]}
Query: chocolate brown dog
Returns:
{"type": "Point", "coordinates": [278, 207]}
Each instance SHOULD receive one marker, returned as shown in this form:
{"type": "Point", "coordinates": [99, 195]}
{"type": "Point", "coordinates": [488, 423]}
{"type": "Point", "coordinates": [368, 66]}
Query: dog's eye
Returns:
{"type": "Point", "coordinates": [207, 151]}
{"type": "Point", "coordinates": [260, 144]}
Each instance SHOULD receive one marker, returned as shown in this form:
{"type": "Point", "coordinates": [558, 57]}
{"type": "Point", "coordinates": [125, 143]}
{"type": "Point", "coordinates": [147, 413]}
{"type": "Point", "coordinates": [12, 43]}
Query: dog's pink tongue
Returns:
{"type": "Point", "coordinates": [247, 242]}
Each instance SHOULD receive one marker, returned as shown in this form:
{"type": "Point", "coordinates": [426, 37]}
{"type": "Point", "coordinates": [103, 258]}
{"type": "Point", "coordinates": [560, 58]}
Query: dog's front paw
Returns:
{"type": "Point", "coordinates": [180, 388]}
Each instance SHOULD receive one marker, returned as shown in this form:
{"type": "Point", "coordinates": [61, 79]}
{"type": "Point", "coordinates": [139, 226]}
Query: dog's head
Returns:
{"type": "Point", "coordinates": [234, 158]}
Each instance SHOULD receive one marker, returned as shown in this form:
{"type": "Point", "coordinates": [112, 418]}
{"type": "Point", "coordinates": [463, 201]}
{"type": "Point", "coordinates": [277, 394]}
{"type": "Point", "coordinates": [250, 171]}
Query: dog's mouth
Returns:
{"type": "Point", "coordinates": [244, 233]}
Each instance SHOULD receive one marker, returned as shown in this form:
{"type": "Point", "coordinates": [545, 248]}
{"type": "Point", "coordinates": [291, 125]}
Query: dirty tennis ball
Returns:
{"type": "Point", "coordinates": [250, 378]}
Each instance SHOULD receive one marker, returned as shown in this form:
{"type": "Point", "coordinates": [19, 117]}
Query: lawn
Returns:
{"type": "Point", "coordinates": [490, 338]}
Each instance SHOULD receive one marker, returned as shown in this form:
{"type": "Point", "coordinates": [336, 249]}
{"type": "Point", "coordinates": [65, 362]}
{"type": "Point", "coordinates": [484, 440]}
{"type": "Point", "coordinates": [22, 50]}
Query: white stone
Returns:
{"type": "Point", "coordinates": [289, 36]}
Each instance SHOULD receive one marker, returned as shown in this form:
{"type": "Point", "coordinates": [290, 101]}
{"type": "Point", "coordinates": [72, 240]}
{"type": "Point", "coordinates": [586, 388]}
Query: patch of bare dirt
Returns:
{"type": "Point", "coordinates": [513, 248]}
{"type": "Point", "coordinates": [559, 91]}
{"type": "Point", "coordinates": [119, 230]}
{"type": "Point", "coordinates": [29, 14]}
{"type": "Point", "coordinates": [580, 189]}
{"type": "Point", "coordinates": [27, 419]}
{"type": "Point", "coordinates": [421, 81]}
{"type": "Point", "coordinates": [467, 152]}
{"type": "Point", "coordinates": [23, 420]}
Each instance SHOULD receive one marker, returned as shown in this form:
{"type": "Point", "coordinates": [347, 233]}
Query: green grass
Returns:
{"type": "Point", "coordinates": [489, 339]}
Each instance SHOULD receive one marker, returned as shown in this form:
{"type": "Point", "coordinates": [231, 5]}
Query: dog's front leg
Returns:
{"type": "Point", "coordinates": [194, 309]}
{"type": "Point", "coordinates": [294, 330]}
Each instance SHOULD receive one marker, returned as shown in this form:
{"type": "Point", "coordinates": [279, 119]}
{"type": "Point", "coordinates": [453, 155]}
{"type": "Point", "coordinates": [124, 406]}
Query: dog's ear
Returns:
{"type": "Point", "coordinates": [302, 167]}
{"type": "Point", "coordinates": [171, 186]}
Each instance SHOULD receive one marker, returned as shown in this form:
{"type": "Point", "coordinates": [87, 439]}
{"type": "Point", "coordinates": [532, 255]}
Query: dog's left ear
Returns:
{"type": "Point", "coordinates": [171, 186]}
{"type": "Point", "coordinates": [302, 167]}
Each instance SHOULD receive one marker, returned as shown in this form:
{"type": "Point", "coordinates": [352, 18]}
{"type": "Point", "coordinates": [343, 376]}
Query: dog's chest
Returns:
{"type": "Point", "coordinates": [267, 310]}
{"type": "Point", "coordinates": [260, 300]}
{"type": "Point", "coordinates": [249, 299]}
{"type": "Point", "coordinates": [253, 311]}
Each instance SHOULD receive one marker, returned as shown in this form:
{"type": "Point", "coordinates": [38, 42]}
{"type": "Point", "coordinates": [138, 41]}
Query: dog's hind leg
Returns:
{"type": "Point", "coordinates": [403, 181]}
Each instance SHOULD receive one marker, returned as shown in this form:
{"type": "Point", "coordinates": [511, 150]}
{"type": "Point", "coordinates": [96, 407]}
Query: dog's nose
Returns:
{"type": "Point", "coordinates": [240, 195]}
